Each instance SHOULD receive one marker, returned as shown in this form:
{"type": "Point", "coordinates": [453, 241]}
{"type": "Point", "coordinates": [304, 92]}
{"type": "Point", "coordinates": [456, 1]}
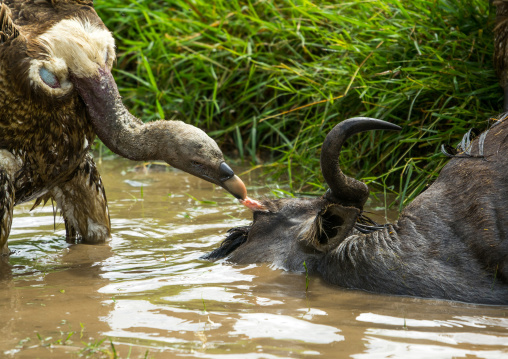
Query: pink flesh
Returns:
{"type": "Point", "coordinates": [253, 205]}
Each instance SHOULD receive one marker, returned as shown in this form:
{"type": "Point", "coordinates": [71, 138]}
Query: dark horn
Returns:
{"type": "Point", "coordinates": [345, 190]}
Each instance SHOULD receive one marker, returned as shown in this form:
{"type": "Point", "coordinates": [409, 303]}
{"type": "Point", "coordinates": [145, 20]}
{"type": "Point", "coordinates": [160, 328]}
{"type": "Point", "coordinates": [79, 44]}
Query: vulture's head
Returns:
{"type": "Point", "coordinates": [46, 45]}
{"type": "Point", "coordinates": [57, 55]}
{"type": "Point", "coordinates": [58, 61]}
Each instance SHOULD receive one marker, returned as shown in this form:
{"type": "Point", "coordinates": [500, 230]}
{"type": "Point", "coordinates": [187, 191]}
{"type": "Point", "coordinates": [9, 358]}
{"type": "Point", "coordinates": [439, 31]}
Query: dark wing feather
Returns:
{"type": "Point", "coordinates": [8, 30]}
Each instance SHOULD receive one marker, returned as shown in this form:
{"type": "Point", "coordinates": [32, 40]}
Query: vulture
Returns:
{"type": "Point", "coordinates": [56, 94]}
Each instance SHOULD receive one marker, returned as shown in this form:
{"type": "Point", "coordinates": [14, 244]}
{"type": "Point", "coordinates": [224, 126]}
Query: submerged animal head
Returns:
{"type": "Point", "coordinates": [56, 58]}
{"type": "Point", "coordinates": [296, 229]}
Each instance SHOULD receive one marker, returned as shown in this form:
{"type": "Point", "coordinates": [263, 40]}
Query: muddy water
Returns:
{"type": "Point", "coordinates": [147, 292]}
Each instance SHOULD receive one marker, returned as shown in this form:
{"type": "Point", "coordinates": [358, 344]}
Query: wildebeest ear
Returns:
{"type": "Point", "coordinates": [8, 30]}
{"type": "Point", "coordinates": [330, 227]}
{"type": "Point", "coordinates": [236, 237]}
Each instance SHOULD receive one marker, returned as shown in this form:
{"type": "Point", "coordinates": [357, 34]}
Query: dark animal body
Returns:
{"type": "Point", "coordinates": [56, 94]}
{"type": "Point", "coordinates": [451, 242]}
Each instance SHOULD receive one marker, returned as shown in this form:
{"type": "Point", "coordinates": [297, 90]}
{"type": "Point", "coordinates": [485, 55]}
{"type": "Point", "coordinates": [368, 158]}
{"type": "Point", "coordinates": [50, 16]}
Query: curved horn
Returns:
{"type": "Point", "coordinates": [345, 190]}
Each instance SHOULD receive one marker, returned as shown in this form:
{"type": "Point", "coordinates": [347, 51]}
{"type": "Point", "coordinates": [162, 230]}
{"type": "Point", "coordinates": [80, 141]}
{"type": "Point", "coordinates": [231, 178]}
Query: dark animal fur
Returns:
{"type": "Point", "coordinates": [451, 242]}
{"type": "Point", "coordinates": [236, 237]}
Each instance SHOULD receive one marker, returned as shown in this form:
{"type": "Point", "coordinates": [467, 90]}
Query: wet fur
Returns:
{"type": "Point", "coordinates": [451, 242]}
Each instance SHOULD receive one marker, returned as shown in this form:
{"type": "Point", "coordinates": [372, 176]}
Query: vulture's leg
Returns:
{"type": "Point", "coordinates": [6, 207]}
{"type": "Point", "coordinates": [83, 203]}
{"type": "Point", "coordinates": [8, 167]}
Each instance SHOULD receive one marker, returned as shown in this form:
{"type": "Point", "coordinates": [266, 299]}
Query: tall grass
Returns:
{"type": "Point", "coordinates": [268, 79]}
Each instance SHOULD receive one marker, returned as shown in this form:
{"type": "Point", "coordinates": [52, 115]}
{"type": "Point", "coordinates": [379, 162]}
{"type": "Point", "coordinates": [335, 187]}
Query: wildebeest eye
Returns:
{"type": "Point", "coordinates": [49, 78]}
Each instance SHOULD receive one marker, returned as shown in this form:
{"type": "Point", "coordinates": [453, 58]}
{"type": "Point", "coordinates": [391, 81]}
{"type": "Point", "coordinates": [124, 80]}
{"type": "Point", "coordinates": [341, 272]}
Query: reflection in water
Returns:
{"type": "Point", "coordinates": [379, 348]}
{"type": "Point", "coordinates": [148, 290]}
{"type": "Point", "coordinates": [282, 327]}
{"type": "Point", "coordinates": [146, 321]}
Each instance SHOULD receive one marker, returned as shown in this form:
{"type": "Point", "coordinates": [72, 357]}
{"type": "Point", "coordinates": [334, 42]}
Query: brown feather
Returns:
{"type": "Point", "coordinates": [47, 134]}
{"type": "Point", "coordinates": [8, 30]}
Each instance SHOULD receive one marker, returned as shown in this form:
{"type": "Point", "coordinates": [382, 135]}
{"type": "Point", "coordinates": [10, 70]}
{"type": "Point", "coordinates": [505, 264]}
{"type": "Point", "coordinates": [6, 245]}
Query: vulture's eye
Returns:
{"type": "Point", "coordinates": [49, 78]}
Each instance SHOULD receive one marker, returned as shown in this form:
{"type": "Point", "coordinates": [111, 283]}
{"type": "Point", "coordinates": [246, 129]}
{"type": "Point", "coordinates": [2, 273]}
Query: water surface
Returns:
{"type": "Point", "coordinates": [148, 293]}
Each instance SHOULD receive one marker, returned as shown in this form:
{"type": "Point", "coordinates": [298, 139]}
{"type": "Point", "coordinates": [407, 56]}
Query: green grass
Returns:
{"type": "Point", "coordinates": [306, 277]}
{"type": "Point", "coordinates": [268, 79]}
{"type": "Point", "coordinates": [68, 343]}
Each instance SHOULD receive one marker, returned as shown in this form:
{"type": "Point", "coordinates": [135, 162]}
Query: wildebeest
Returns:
{"type": "Point", "coordinates": [451, 242]}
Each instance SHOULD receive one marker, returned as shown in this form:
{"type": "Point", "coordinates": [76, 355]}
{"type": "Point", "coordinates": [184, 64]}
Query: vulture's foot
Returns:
{"type": "Point", "coordinates": [83, 203]}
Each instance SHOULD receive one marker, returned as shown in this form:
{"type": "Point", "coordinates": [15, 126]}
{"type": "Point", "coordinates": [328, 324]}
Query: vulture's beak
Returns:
{"type": "Point", "coordinates": [232, 183]}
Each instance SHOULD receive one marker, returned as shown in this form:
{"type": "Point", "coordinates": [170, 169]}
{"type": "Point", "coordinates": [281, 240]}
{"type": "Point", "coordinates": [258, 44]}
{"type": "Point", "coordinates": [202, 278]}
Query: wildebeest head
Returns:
{"type": "Point", "coordinates": [294, 230]}
{"type": "Point", "coordinates": [449, 243]}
